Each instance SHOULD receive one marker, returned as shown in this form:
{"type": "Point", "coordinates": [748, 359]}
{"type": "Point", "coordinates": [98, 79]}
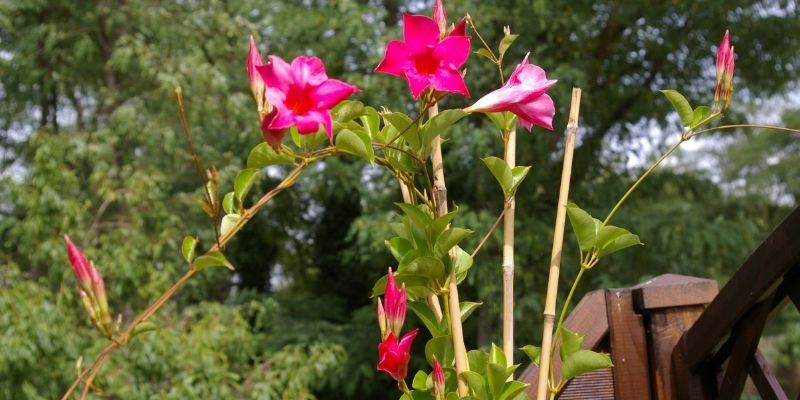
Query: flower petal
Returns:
{"type": "Point", "coordinates": [453, 51]}
{"type": "Point", "coordinates": [308, 71]}
{"type": "Point", "coordinates": [393, 60]}
{"type": "Point", "coordinates": [331, 92]}
{"type": "Point", "coordinates": [417, 83]}
{"type": "Point", "coordinates": [283, 119]}
{"type": "Point", "coordinates": [419, 32]}
{"type": "Point", "coordinates": [537, 112]}
{"type": "Point", "coordinates": [447, 80]}
{"type": "Point", "coordinates": [460, 29]}
{"type": "Point", "coordinates": [277, 74]}
{"type": "Point", "coordinates": [308, 123]}
{"type": "Point", "coordinates": [408, 338]}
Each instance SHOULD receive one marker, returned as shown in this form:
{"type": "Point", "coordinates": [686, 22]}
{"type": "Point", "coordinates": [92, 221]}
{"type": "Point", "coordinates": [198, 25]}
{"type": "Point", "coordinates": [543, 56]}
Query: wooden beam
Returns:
{"type": "Point", "coordinates": [764, 380]}
{"type": "Point", "coordinates": [628, 347]}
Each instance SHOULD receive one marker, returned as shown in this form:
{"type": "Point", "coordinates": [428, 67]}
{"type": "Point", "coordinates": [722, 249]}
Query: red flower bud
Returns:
{"type": "Point", "coordinates": [395, 298]}
{"type": "Point", "coordinates": [79, 263]}
{"type": "Point", "coordinates": [438, 380]}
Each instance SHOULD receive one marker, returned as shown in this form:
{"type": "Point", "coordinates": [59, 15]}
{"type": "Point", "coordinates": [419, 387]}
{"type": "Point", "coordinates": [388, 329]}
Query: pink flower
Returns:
{"type": "Point", "coordinates": [424, 59]}
{"type": "Point", "coordinates": [394, 356]}
{"type": "Point", "coordinates": [725, 66]}
{"type": "Point", "coordinates": [298, 95]}
{"type": "Point", "coordinates": [524, 94]}
{"type": "Point", "coordinates": [93, 289]}
{"type": "Point", "coordinates": [395, 298]}
{"type": "Point", "coordinates": [438, 380]}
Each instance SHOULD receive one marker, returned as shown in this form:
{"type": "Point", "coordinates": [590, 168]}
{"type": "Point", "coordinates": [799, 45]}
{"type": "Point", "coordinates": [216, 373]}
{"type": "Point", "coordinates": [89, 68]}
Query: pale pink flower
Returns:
{"type": "Point", "coordinates": [524, 94]}
{"type": "Point", "coordinates": [426, 60]}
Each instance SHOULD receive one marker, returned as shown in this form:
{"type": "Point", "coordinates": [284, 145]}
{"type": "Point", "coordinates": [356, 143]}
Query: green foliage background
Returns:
{"type": "Point", "coordinates": [91, 146]}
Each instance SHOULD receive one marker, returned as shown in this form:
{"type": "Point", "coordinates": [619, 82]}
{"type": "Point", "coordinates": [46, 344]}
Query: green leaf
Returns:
{"type": "Point", "coordinates": [187, 248]}
{"type": "Point", "coordinates": [621, 242]}
{"type": "Point", "coordinates": [405, 125]}
{"type": "Point", "coordinates": [448, 239]}
{"type": "Point", "coordinates": [496, 376]}
{"type": "Point", "coordinates": [584, 226]}
{"type": "Point", "coordinates": [498, 119]}
{"type": "Point", "coordinates": [511, 390]}
{"type": "Point", "coordinates": [584, 361]}
{"type": "Point", "coordinates": [428, 266]}
{"type": "Point", "coordinates": [501, 171]}
{"type": "Point", "coordinates": [424, 313]}
{"type": "Point", "coordinates": [212, 259]}
{"type": "Point", "coordinates": [347, 110]}
{"type": "Point", "coordinates": [264, 155]}
{"type": "Point", "coordinates": [570, 343]}
{"type": "Point", "coordinates": [228, 222]}
{"type": "Point", "coordinates": [440, 123]}
{"type": "Point", "coordinates": [681, 105]}
{"type": "Point", "coordinates": [607, 234]}
{"type": "Point", "coordinates": [463, 262]}
{"type": "Point", "coordinates": [476, 383]}
{"type": "Point", "coordinates": [485, 53]}
{"type": "Point", "coordinates": [442, 348]}
{"type": "Point", "coordinates": [356, 144]}
{"type": "Point", "coordinates": [505, 43]}
{"type": "Point", "coordinates": [420, 381]}
{"type": "Point", "coordinates": [467, 308]}
{"type": "Point", "coordinates": [496, 355]}
{"type": "Point", "coordinates": [244, 181]}
{"type": "Point", "coordinates": [419, 217]}
{"type": "Point", "coordinates": [478, 359]}
{"type": "Point", "coordinates": [228, 203]}
{"type": "Point", "coordinates": [699, 114]}
{"type": "Point", "coordinates": [371, 121]}
{"type": "Point", "coordinates": [517, 175]}
{"type": "Point", "coordinates": [533, 353]}
{"type": "Point", "coordinates": [399, 247]}
{"type": "Point", "coordinates": [440, 224]}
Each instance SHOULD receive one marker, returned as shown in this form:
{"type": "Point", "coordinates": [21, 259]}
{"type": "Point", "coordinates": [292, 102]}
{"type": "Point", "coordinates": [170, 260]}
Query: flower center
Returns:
{"type": "Point", "coordinates": [299, 99]}
{"type": "Point", "coordinates": [426, 63]}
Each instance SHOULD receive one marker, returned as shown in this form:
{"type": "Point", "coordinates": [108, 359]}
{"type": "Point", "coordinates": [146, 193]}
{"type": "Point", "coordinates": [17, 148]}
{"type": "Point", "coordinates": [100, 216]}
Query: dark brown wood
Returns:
{"type": "Point", "coordinates": [587, 318]}
{"type": "Point", "coordinates": [764, 380]}
{"type": "Point", "coordinates": [746, 336]}
{"type": "Point", "coordinates": [667, 325]}
{"type": "Point", "coordinates": [596, 385]}
{"type": "Point", "coordinates": [791, 286]}
{"type": "Point", "coordinates": [628, 346]}
{"type": "Point", "coordinates": [763, 269]}
{"type": "Point", "coordinates": [671, 290]}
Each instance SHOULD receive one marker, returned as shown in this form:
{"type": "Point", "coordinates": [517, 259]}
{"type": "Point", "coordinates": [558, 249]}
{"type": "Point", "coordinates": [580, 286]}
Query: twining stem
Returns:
{"type": "Point", "coordinates": [558, 241]}
{"type": "Point", "coordinates": [88, 375]}
{"type": "Point", "coordinates": [510, 156]}
{"type": "Point", "coordinates": [718, 128]}
{"type": "Point", "coordinates": [490, 231]}
{"type": "Point", "coordinates": [555, 386]}
{"type": "Point", "coordinates": [440, 200]}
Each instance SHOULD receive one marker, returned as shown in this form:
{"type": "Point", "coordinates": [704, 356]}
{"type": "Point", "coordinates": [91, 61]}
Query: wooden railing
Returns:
{"type": "Point", "coordinates": [674, 337]}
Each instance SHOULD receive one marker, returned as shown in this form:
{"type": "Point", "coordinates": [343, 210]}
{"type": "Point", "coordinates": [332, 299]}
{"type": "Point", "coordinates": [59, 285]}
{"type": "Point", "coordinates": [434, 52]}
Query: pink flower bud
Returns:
{"type": "Point", "coordinates": [395, 298]}
{"type": "Point", "coordinates": [440, 15]}
{"type": "Point", "coordinates": [257, 84]}
{"type": "Point", "coordinates": [381, 314]}
{"type": "Point", "coordinates": [438, 380]}
{"type": "Point", "coordinates": [79, 263]}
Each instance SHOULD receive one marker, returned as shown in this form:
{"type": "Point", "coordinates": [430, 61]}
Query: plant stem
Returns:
{"type": "Point", "coordinates": [89, 374]}
{"type": "Point", "coordinates": [440, 200]}
{"type": "Point", "coordinates": [510, 156]}
{"type": "Point", "coordinates": [558, 241]}
{"type": "Point", "coordinates": [777, 128]}
{"type": "Point", "coordinates": [491, 230]}
{"type": "Point", "coordinates": [641, 179]}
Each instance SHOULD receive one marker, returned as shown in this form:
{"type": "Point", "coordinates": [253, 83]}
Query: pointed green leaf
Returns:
{"type": "Point", "coordinates": [440, 123]}
{"type": "Point", "coordinates": [607, 234]}
{"type": "Point", "coordinates": [371, 121]}
{"type": "Point", "coordinates": [477, 384]}
{"type": "Point", "coordinates": [467, 308]}
{"type": "Point", "coordinates": [478, 360]}
{"type": "Point", "coordinates": [187, 247]}
{"type": "Point", "coordinates": [405, 126]}
{"type": "Point", "coordinates": [570, 343]}
{"type": "Point", "coordinates": [584, 226]}
{"type": "Point", "coordinates": [505, 43]}
{"type": "Point", "coordinates": [699, 114]}
{"type": "Point", "coordinates": [681, 105]}
{"type": "Point", "coordinates": [621, 242]}
{"type": "Point", "coordinates": [264, 155]}
{"type": "Point", "coordinates": [533, 353]}
{"type": "Point", "coordinates": [419, 382]}
{"type": "Point", "coordinates": [518, 174]}
{"type": "Point", "coordinates": [347, 110]}
{"type": "Point", "coordinates": [498, 119]}
{"type": "Point", "coordinates": [496, 355]}
{"type": "Point", "coordinates": [424, 313]}
{"type": "Point", "coordinates": [448, 239]}
{"type": "Point", "coordinates": [463, 262]}
{"type": "Point", "coordinates": [496, 376]}
{"type": "Point", "coordinates": [584, 361]}
{"type": "Point", "coordinates": [399, 247]}
{"type": "Point", "coordinates": [511, 390]}
{"type": "Point", "coordinates": [428, 266]}
{"type": "Point", "coordinates": [228, 203]}
{"type": "Point", "coordinates": [501, 171]}
{"type": "Point", "coordinates": [442, 348]}
{"type": "Point", "coordinates": [353, 143]}
{"type": "Point", "coordinates": [485, 53]}
{"type": "Point", "coordinates": [228, 222]}
{"type": "Point", "coordinates": [440, 224]}
{"type": "Point", "coordinates": [244, 181]}
{"type": "Point", "coordinates": [212, 259]}
{"type": "Point", "coordinates": [419, 217]}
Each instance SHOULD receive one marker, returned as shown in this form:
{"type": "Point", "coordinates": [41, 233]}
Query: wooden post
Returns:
{"type": "Point", "coordinates": [628, 346]}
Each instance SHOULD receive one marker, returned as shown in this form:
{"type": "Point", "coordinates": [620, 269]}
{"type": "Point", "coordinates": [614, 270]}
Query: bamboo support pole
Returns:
{"type": "Point", "coordinates": [558, 241]}
{"type": "Point", "coordinates": [508, 257]}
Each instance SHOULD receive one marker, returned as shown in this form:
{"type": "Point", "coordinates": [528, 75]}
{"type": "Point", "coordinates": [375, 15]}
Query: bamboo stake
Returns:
{"type": "Point", "coordinates": [440, 198]}
{"type": "Point", "coordinates": [508, 257]}
{"type": "Point", "coordinates": [558, 241]}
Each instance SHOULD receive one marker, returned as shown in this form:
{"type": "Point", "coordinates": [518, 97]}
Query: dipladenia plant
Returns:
{"type": "Point", "coordinates": [297, 100]}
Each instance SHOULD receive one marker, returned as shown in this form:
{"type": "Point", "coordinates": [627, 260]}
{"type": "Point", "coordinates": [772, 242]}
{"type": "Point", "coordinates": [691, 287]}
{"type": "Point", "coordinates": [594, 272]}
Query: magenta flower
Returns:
{"type": "Point", "coordinates": [725, 66]}
{"type": "Point", "coordinates": [394, 356]}
{"type": "Point", "coordinates": [395, 299]}
{"type": "Point", "coordinates": [438, 380]}
{"type": "Point", "coordinates": [426, 60]}
{"type": "Point", "coordinates": [524, 94]}
{"type": "Point", "coordinates": [93, 289]}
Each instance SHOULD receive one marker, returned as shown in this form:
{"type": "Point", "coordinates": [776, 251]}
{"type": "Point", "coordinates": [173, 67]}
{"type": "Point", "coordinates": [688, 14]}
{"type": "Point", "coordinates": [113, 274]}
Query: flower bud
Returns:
{"type": "Point", "coordinates": [438, 380]}
{"type": "Point", "coordinates": [79, 264]}
{"type": "Point", "coordinates": [395, 298]}
{"type": "Point", "coordinates": [381, 314]}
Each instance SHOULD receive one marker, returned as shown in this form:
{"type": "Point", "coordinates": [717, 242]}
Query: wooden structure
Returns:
{"type": "Point", "coordinates": [676, 337]}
